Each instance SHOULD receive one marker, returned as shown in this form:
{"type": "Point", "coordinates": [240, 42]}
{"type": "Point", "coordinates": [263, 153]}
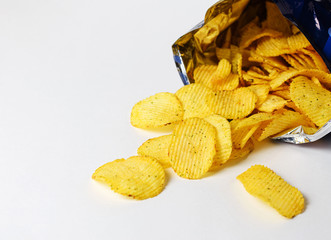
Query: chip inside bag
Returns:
{"type": "Point", "coordinates": [255, 57]}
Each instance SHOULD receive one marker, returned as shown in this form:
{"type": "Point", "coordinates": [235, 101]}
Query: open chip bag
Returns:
{"type": "Point", "coordinates": [279, 51]}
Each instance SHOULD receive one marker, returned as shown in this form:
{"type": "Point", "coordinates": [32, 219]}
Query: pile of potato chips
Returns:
{"type": "Point", "coordinates": [266, 79]}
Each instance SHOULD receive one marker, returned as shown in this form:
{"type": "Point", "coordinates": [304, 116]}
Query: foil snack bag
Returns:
{"type": "Point", "coordinates": [223, 28]}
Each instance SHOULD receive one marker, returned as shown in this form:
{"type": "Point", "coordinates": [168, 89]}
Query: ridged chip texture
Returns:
{"type": "Point", "coordinates": [156, 111]}
{"type": "Point", "coordinates": [157, 148]}
{"type": "Point", "coordinates": [192, 148]}
{"type": "Point", "coordinates": [282, 120]}
{"type": "Point", "coordinates": [272, 103]}
{"type": "Point", "coordinates": [193, 98]}
{"type": "Point", "coordinates": [223, 139]}
{"type": "Point", "coordinates": [136, 177]}
{"type": "Point", "coordinates": [265, 184]}
{"type": "Point", "coordinates": [232, 104]}
{"type": "Point", "coordinates": [313, 100]}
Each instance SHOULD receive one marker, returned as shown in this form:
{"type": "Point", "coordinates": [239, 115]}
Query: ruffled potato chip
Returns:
{"type": "Point", "coordinates": [193, 98]}
{"type": "Point", "coordinates": [312, 99]}
{"type": "Point", "coordinates": [261, 91]}
{"type": "Point", "coordinates": [192, 148]}
{"type": "Point", "coordinates": [272, 103]}
{"type": "Point", "coordinates": [282, 120]}
{"type": "Point", "coordinates": [157, 148]}
{"type": "Point", "coordinates": [238, 153]}
{"type": "Point", "coordinates": [156, 111]}
{"type": "Point", "coordinates": [223, 138]}
{"type": "Point", "coordinates": [232, 104]}
{"type": "Point", "coordinates": [266, 185]}
{"type": "Point", "coordinates": [136, 177]}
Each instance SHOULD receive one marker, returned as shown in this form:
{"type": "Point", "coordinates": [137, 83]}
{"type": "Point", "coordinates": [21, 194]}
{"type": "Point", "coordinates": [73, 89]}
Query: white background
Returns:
{"type": "Point", "coordinates": [70, 72]}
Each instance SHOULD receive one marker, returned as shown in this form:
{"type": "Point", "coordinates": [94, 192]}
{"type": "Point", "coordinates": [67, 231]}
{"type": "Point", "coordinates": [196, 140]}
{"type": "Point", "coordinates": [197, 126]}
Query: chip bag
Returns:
{"type": "Point", "coordinates": [265, 46]}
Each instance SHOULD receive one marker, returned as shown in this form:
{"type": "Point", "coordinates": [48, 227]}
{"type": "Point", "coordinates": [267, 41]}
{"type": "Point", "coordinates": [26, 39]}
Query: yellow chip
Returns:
{"type": "Point", "coordinates": [136, 177]}
{"type": "Point", "coordinates": [223, 53]}
{"type": "Point", "coordinates": [266, 185]}
{"type": "Point", "coordinates": [290, 59]}
{"type": "Point", "coordinates": [192, 148]}
{"type": "Point", "coordinates": [254, 80]}
{"type": "Point", "coordinates": [243, 129]}
{"type": "Point", "coordinates": [157, 148]}
{"type": "Point", "coordinates": [298, 41]}
{"type": "Point", "coordinates": [222, 71]}
{"type": "Point", "coordinates": [276, 62]}
{"type": "Point", "coordinates": [285, 94]}
{"type": "Point", "coordinates": [233, 104]}
{"type": "Point", "coordinates": [238, 153]}
{"type": "Point", "coordinates": [318, 61]}
{"type": "Point", "coordinates": [323, 77]}
{"type": "Point", "coordinates": [261, 91]}
{"type": "Point", "coordinates": [204, 74]}
{"type": "Point", "coordinates": [282, 120]}
{"type": "Point", "coordinates": [193, 97]}
{"type": "Point", "coordinates": [251, 120]}
{"type": "Point", "coordinates": [240, 137]}
{"type": "Point", "coordinates": [156, 111]}
{"type": "Point", "coordinates": [312, 99]}
{"type": "Point", "coordinates": [271, 47]}
{"type": "Point", "coordinates": [223, 139]}
{"type": "Point", "coordinates": [272, 103]}
{"type": "Point", "coordinates": [252, 33]}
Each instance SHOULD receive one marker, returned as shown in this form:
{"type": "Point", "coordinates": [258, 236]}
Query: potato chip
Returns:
{"type": "Point", "coordinates": [157, 148]}
{"type": "Point", "coordinates": [240, 137]}
{"type": "Point", "coordinates": [285, 94]}
{"type": "Point", "coordinates": [223, 53]}
{"type": "Point", "coordinates": [192, 148]}
{"type": "Point", "coordinates": [223, 138]}
{"type": "Point", "coordinates": [276, 62]}
{"type": "Point", "coordinates": [254, 80]}
{"type": "Point", "coordinates": [251, 120]}
{"type": "Point", "coordinates": [252, 33]}
{"type": "Point", "coordinates": [272, 47]}
{"type": "Point", "coordinates": [309, 62]}
{"type": "Point", "coordinates": [136, 177]}
{"type": "Point", "coordinates": [233, 104]}
{"type": "Point", "coordinates": [204, 74]}
{"type": "Point", "coordinates": [316, 81]}
{"type": "Point", "coordinates": [238, 153]}
{"type": "Point", "coordinates": [282, 120]}
{"type": "Point", "coordinates": [312, 99]}
{"type": "Point", "coordinates": [222, 71]}
{"type": "Point", "coordinates": [156, 111]}
{"type": "Point", "coordinates": [318, 61]}
{"type": "Point", "coordinates": [261, 92]}
{"type": "Point", "coordinates": [193, 97]}
{"type": "Point", "coordinates": [291, 60]}
{"type": "Point", "coordinates": [272, 103]}
{"type": "Point", "coordinates": [244, 128]}
{"type": "Point", "coordinates": [266, 185]}
{"type": "Point", "coordinates": [297, 41]}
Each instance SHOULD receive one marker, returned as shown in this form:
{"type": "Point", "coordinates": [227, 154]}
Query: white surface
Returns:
{"type": "Point", "coordinates": [70, 71]}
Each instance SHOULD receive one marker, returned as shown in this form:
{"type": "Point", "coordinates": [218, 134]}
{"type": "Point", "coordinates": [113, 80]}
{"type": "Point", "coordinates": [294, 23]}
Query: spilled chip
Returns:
{"type": "Point", "coordinates": [157, 148]}
{"type": "Point", "coordinates": [156, 111]}
{"type": "Point", "coordinates": [266, 185]}
{"type": "Point", "coordinates": [192, 148]}
{"type": "Point", "coordinates": [136, 177]}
